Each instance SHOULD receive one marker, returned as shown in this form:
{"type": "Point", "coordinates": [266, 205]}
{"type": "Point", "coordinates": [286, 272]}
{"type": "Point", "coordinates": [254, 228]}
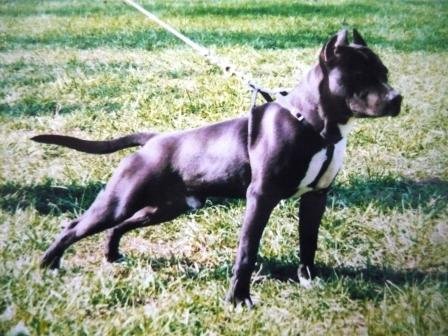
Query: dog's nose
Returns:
{"type": "Point", "coordinates": [395, 104]}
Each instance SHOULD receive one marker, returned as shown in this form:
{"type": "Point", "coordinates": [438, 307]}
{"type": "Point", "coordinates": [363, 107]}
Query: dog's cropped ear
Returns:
{"type": "Point", "coordinates": [357, 38]}
{"type": "Point", "coordinates": [330, 48]}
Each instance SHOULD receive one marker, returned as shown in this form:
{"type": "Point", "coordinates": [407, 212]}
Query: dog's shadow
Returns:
{"type": "Point", "coordinates": [362, 283]}
{"type": "Point", "coordinates": [48, 197]}
{"type": "Point", "coordinates": [282, 271]}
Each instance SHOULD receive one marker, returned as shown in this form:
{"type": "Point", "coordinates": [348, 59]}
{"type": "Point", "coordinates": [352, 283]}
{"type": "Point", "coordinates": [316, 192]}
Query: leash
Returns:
{"type": "Point", "coordinates": [222, 63]}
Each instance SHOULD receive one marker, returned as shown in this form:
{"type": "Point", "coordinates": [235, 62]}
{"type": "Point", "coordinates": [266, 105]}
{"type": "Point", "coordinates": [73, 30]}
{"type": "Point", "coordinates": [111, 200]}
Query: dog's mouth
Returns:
{"type": "Point", "coordinates": [390, 108]}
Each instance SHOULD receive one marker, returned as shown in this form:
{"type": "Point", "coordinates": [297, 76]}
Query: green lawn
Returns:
{"type": "Point", "coordinates": [98, 69]}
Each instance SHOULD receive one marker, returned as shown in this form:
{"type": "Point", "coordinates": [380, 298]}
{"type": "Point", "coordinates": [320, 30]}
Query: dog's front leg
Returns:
{"type": "Point", "coordinates": [312, 207]}
{"type": "Point", "coordinates": [258, 209]}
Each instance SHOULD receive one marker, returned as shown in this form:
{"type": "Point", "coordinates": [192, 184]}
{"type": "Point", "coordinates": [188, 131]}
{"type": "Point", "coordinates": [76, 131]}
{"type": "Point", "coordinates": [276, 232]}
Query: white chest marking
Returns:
{"type": "Point", "coordinates": [335, 165]}
{"type": "Point", "coordinates": [315, 166]}
{"type": "Point", "coordinates": [316, 163]}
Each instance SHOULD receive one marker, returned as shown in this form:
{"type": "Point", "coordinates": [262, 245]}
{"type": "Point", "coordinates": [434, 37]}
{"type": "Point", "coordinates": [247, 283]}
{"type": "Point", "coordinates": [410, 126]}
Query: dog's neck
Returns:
{"type": "Point", "coordinates": [311, 98]}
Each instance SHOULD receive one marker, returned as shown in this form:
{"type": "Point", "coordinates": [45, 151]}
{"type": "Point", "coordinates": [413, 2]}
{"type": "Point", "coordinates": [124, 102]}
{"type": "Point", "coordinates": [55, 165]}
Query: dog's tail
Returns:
{"type": "Point", "coordinates": [95, 147]}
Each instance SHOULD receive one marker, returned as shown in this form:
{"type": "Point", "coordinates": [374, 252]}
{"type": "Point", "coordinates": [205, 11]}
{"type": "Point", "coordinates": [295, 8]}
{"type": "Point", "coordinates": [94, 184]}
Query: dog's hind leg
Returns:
{"type": "Point", "coordinates": [147, 216]}
{"type": "Point", "coordinates": [119, 201]}
{"type": "Point", "coordinates": [73, 232]}
{"type": "Point", "coordinates": [50, 258]}
{"type": "Point", "coordinates": [139, 219]}
{"type": "Point", "coordinates": [97, 218]}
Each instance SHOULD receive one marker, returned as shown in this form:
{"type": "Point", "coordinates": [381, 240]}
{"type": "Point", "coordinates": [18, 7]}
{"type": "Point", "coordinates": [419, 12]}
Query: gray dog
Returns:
{"type": "Point", "coordinates": [293, 146]}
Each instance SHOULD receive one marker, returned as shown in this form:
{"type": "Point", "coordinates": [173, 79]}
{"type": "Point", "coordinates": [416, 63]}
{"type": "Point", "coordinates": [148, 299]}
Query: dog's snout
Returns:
{"type": "Point", "coordinates": [395, 103]}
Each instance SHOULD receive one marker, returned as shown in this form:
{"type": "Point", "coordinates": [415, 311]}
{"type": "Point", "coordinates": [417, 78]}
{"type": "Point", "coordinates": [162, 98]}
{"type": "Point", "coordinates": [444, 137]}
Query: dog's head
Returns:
{"type": "Point", "coordinates": [355, 77]}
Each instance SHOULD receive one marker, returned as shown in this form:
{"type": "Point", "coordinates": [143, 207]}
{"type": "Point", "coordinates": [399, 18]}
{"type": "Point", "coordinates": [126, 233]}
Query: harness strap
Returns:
{"type": "Point", "coordinates": [330, 151]}
{"type": "Point", "coordinates": [266, 94]}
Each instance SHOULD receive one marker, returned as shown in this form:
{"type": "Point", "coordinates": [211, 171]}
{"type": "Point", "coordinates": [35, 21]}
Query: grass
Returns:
{"type": "Point", "coordinates": [98, 70]}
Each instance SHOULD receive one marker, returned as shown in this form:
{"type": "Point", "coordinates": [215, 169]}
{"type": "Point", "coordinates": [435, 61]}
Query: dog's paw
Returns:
{"type": "Point", "coordinates": [115, 258]}
{"type": "Point", "coordinates": [237, 300]}
{"type": "Point", "coordinates": [50, 262]}
{"type": "Point", "coordinates": [305, 282]}
{"type": "Point", "coordinates": [305, 275]}
{"type": "Point", "coordinates": [239, 295]}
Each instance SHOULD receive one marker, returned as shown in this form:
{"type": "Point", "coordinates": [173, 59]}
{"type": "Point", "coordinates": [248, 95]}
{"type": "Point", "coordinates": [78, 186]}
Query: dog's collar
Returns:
{"type": "Point", "coordinates": [295, 112]}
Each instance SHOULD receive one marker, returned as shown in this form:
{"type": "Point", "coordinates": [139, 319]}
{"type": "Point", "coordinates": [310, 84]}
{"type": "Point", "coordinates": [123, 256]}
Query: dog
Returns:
{"type": "Point", "coordinates": [292, 146]}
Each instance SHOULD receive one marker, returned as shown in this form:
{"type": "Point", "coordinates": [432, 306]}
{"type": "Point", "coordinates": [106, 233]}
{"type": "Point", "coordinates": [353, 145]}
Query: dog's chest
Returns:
{"type": "Point", "coordinates": [323, 168]}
